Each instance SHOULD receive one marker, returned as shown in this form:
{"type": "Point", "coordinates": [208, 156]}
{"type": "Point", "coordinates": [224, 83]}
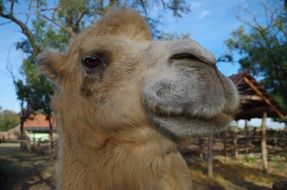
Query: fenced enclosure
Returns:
{"type": "Point", "coordinates": [228, 143]}
{"type": "Point", "coordinates": [233, 144]}
{"type": "Point", "coordinates": [42, 147]}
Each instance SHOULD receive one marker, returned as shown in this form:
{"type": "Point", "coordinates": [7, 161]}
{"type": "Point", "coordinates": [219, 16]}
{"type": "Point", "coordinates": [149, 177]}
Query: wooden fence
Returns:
{"type": "Point", "coordinates": [227, 143]}
{"type": "Point", "coordinates": [234, 143]}
{"type": "Point", "coordinates": [43, 147]}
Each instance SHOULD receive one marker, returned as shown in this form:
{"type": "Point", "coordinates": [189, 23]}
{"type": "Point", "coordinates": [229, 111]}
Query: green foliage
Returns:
{"type": "Point", "coordinates": [8, 120]}
{"type": "Point", "coordinates": [178, 7]}
{"type": "Point", "coordinates": [263, 51]}
{"type": "Point", "coordinates": [35, 90]}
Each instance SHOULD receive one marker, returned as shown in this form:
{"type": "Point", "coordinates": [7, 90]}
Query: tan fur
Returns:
{"type": "Point", "coordinates": [107, 141]}
{"type": "Point", "coordinates": [118, 22]}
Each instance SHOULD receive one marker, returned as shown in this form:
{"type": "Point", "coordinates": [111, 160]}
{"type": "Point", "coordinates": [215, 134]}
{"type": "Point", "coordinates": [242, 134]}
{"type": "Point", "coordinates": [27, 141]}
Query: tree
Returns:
{"type": "Point", "coordinates": [51, 25]}
{"type": "Point", "coordinates": [8, 120]}
{"type": "Point", "coordinates": [263, 48]}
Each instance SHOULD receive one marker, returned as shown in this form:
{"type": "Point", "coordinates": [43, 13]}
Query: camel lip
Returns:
{"type": "Point", "coordinates": [185, 112]}
{"type": "Point", "coordinates": [180, 126]}
{"type": "Point", "coordinates": [221, 115]}
{"type": "Point", "coordinates": [164, 114]}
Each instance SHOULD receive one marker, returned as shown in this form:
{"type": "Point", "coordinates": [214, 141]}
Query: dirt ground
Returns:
{"type": "Point", "coordinates": [235, 175]}
{"type": "Point", "coordinates": [28, 171]}
{"type": "Point", "coordinates": [25, 171]}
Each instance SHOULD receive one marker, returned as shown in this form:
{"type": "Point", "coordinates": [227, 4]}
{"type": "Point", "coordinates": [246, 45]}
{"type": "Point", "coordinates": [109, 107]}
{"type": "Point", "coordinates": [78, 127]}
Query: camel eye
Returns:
{"type": "Point", "coordinates": [92, 61]}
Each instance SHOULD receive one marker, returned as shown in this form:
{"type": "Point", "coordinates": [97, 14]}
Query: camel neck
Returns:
{"type": "Point", "coordinates": [127, 160]}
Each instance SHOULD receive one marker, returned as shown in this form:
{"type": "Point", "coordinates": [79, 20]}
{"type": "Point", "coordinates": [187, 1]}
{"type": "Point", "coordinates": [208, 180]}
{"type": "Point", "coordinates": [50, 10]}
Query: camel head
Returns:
{"type": "Point", "coordinates": [113, 77]}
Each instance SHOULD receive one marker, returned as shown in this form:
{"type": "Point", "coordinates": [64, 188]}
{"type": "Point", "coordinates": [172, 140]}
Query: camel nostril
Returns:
{"type": "Point", "coordinates": [180, 56]}
{"type": "Point", "coordinates": [187, 56]}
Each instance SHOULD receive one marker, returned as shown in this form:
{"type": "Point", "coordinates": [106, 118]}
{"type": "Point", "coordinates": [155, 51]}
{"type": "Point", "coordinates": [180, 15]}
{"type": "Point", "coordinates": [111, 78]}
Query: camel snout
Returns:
{"type": "Point", "coordinates": [190, 50]}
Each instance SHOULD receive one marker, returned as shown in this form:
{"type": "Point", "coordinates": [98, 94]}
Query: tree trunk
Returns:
{"type": "Point", "coordinates": [264, 151]}
{"type": "Point", "coordinates": [51, 133]}
{"type": "Point", "coordinates": [22, 144]}
{"type": "Point", "coordinates": [210, 155]}
{"type": "Point", "coordinates": [23, 117]}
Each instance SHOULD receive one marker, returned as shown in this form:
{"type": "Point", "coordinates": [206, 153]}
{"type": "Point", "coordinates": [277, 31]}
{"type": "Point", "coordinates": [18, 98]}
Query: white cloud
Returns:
{"type": "Point", "coordinates": [203, 14]}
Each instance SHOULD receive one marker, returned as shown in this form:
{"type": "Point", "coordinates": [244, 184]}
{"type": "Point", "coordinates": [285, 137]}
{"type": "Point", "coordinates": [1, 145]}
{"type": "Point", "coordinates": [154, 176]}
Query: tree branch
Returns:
{"type": "Point", "coordinates": [48, 9]}
{"type": "Point", "coordinates": [163, 4]}
{"type": "Point", "coordinates": [11, 7]}
{"type": "Point", "coordinates": [25, 30]}
{"type": "Point", "coordinates": [268, 13]}
{"type": "Point", "coordinates": [9, 69]}
{"type": "Point", "coordinates": [143, 6]}
{"type": "Point", "coordinates": [68, 30]}
{"type": "Point", "coordinates": [77, 25]}
{"type": "Point", "coordinates": [29, 12]}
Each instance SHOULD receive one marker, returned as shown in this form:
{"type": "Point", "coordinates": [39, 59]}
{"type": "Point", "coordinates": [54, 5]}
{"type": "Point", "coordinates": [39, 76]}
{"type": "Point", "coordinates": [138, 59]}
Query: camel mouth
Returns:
{"type": "Point", "coordinates": [183, 125]}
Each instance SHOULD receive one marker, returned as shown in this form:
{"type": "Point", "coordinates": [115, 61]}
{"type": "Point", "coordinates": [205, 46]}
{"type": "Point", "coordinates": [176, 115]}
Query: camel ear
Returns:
{"type": "Point", "coordinates": [51, 64]}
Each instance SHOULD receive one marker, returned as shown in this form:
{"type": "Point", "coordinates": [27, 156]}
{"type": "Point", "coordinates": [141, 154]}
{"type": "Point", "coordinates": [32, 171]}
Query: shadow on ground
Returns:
{"type": "Point", "coordinates": [25, 171]}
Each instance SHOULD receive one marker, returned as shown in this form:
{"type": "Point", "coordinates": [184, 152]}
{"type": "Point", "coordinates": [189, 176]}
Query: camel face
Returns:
{"type": "Point", "coordinates": [116, 77]}
{"type": "Point", "coordinates": [187, 94]}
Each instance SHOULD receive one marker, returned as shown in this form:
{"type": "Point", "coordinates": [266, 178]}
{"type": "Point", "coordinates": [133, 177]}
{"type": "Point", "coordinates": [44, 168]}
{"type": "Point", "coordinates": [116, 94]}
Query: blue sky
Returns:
{"type": "Point", "coordinates": [210, 23]}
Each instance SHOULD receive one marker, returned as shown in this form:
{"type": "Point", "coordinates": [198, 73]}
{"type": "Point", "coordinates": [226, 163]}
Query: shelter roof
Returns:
{"type": "Point", "coordinates": [255, 99]}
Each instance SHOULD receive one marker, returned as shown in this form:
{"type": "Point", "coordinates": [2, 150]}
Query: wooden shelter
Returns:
{"type": "Point", "coordinates": [255, 100]}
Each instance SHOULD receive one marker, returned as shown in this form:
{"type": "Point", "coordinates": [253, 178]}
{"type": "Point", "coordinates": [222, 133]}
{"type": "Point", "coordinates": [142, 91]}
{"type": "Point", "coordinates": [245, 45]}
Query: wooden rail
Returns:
{"type": "Point", "coordinates": [231, 143]}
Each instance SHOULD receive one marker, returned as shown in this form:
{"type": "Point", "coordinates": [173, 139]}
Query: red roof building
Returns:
{"type": "Point", "coordinates": [38, 122]}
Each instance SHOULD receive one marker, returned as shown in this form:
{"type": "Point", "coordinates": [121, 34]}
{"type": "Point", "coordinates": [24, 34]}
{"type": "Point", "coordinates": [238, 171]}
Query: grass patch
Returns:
{"type": "Point", "coordinates": [251, 159]}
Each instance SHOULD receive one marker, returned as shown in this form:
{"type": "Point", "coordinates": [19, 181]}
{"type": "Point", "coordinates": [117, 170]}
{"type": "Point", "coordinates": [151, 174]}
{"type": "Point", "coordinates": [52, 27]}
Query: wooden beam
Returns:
{"type": "Point", "coordinates": [263, 96]}
{"type": "Point", "coordinates": [255, 112]}
{"type": "Point", "coordinates": [251, 97]}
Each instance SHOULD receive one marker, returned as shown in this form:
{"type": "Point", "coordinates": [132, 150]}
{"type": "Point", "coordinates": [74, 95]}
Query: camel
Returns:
{"type": "Point", "coordinates": [123, 101]}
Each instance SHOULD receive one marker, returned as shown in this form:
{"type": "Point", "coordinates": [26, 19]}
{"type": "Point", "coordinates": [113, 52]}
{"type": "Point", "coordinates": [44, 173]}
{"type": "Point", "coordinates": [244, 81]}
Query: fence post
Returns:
{"type": "Point", "coordinates": [235, 144]}
{"type": "Point", "coordinates": [264, 151]}
{"type": "Point", "coordinates": [225, 144]}
{"type": "Point", "coordinates": [210, 155]}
